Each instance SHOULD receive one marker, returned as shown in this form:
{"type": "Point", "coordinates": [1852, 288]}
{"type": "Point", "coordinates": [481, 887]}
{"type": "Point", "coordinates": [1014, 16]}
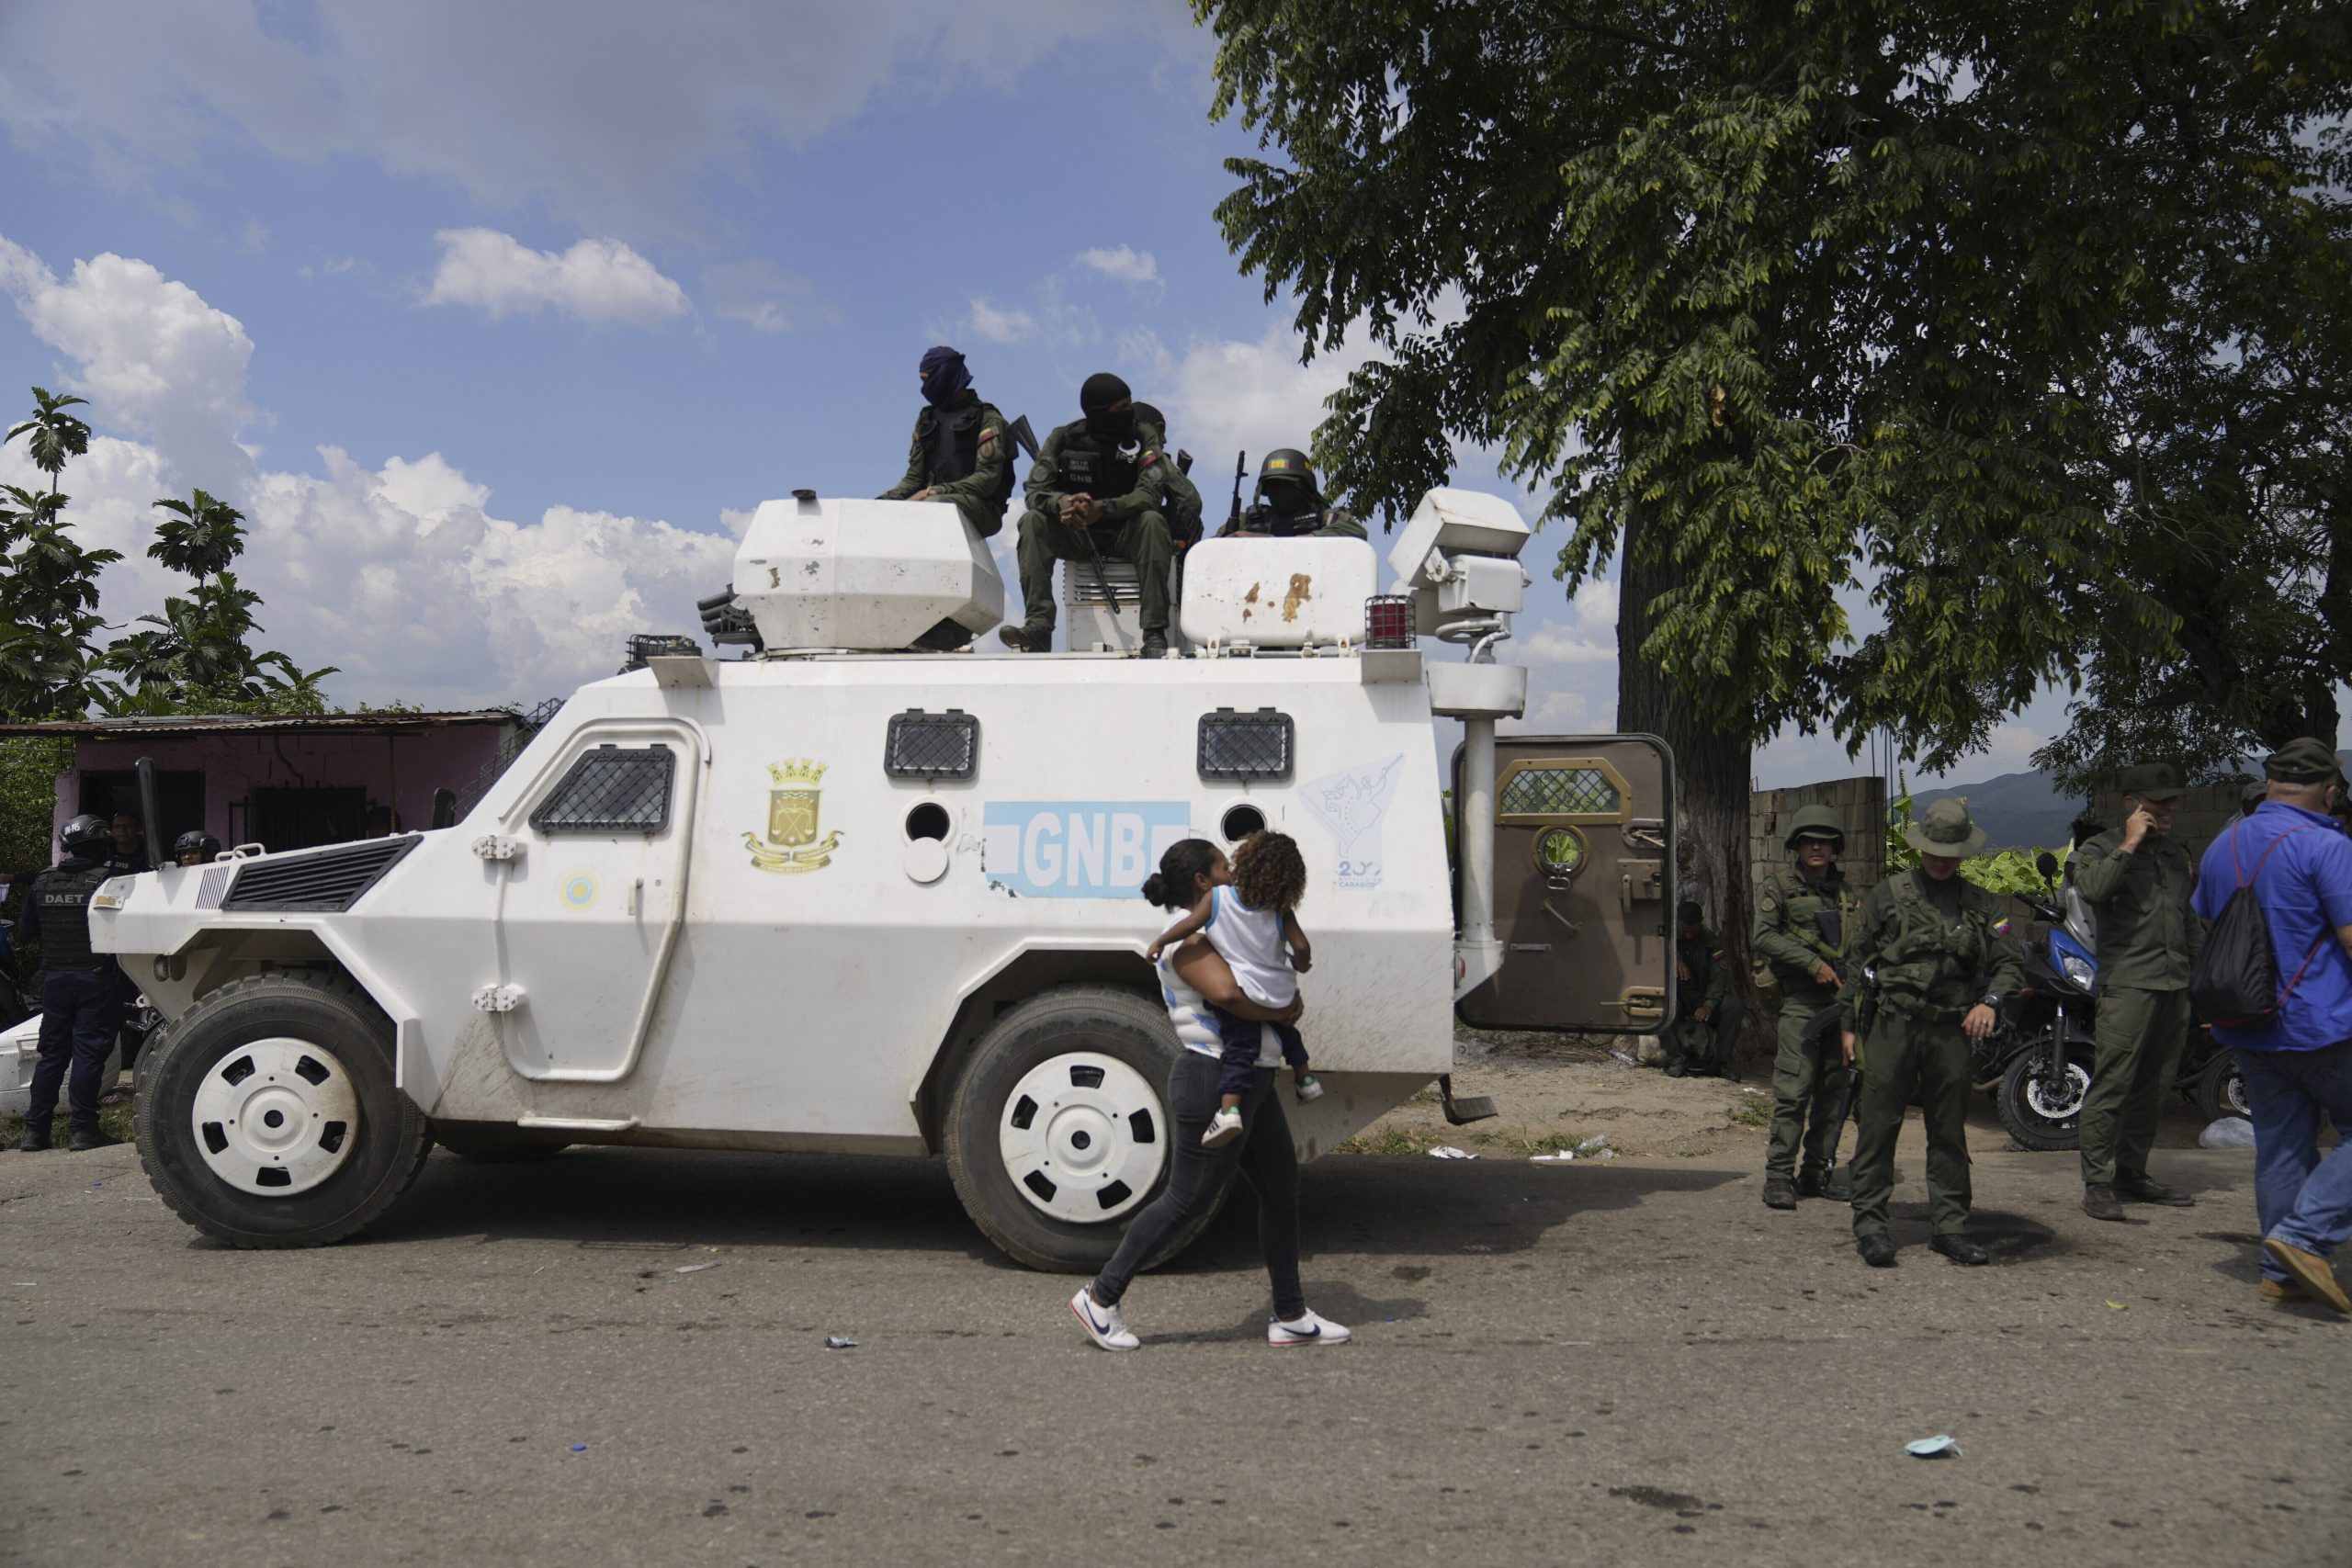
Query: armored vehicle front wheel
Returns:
{"type": "Point", "coordinates": [1056, 1130]}
{"type": "Point", "coordinates": [267, 1115]}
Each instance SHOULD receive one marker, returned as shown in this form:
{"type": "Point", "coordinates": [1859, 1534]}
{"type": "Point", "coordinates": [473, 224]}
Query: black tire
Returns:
{"type": "Point", "coordinates": [497, 1151]}
{"type": "Point", "coordinates": [389, 1137]}
{"type": "Point", "coordinates": [2221, 1088]}
{"type": "Point", "coordinates": [1096, 1019]}
{"type": "Point", "coordinates": [2024, 1102]}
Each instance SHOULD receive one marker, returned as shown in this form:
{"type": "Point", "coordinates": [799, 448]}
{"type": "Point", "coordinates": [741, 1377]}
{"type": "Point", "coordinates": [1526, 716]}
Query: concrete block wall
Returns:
{"type": "Point", "coordinates": [1860, 806]}
{"type": "Point", "coordinates": [2203, 812]}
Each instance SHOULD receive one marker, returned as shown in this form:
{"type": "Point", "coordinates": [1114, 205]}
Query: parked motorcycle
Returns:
{"type": "Point", "coordinates": [2209, 1078]}
{"type": "Point", "coordinates": [2037, 1065]}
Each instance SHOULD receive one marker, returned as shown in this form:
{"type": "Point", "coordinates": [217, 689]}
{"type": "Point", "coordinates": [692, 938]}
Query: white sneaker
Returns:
{"type": "Point", "coordinates": [1224, 1127]}
{"type": "Point", "coordinates": [1307, 1329]}
{"type": "Point", "coordinates": [1309, 1088]}
{"type": "Point", "coordinates": [1103, 1324]}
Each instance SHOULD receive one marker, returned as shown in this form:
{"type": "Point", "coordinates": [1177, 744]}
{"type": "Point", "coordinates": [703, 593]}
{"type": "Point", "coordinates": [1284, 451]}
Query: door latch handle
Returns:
{"type": "Point", "coordinates": [1574, 930]}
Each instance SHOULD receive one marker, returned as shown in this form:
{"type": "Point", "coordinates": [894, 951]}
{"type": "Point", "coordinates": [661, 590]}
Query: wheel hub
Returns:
{"type": "Point", "coordinates": [2061, 1101]}
{"type": "Point", "coordinates": [276, 1117]}
{"type": "Point", "coordinates": [1083, 1137]}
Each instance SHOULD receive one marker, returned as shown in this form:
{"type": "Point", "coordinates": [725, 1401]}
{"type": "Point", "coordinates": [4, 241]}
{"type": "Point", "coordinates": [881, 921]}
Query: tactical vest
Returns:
{"type": "Point", "coordinates": [1083, 465]}
{"type": "Point", "coordinates": [1798, 904]}
{"type": "Point", "coordinates": [61, 905]}
{"type": "Point", "coordinates": [1931, 966]}
{"type": "Point", "coordinates": [951, 441]}
{"type": "Point", "coordinates": [1263, 519]}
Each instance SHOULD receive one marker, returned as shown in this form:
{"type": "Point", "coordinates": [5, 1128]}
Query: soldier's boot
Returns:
{"type": "Point", "coordinates": [2099, 1202]}
{"type": "Point", "coordinates": [84, 1139]}
{"type": "Point", "coordinates": [36, 1136]}
{"type": "Point", "coordinates": [1959, 1249]}
{"type": "Point", "coordinates": [1155, 642]}
{"type": "Point", "coordinates": [1877, 1249]}
{"type": "Point", "coordinates": [1027, 638]}
{"type": "Point", "coordinates": [1778, 1193]}
{"type": "Point", "coordinates": [2146, 1191]}
{"type": "Point", "coordinates": [1814, 1183]}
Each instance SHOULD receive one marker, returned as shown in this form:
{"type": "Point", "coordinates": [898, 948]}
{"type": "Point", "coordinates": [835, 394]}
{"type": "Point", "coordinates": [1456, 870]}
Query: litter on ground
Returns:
{"type": "Point", "coordinates": [1447, 1151]}
{"type": "Point", "coordinates": [840, 1342]}
{"type": "Point", "coordinates": [1932, 1448]}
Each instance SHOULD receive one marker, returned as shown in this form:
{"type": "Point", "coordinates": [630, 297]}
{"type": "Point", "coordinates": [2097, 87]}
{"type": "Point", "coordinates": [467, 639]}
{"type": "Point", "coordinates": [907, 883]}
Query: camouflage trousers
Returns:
{"type": "Point", "coordinates": [1809, 1079]}
{"type": "Point", "coordinates": [1931, 1058]}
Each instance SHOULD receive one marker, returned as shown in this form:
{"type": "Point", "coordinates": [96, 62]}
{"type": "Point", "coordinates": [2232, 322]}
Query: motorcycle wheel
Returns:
{"type": "Point", "coordinates": [2220, 1089]}
{"type": "Point", "coordinates": [2034, 1116]}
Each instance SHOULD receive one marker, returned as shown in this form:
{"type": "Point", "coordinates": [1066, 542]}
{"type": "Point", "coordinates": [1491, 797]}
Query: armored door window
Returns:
{"type": "Point", "coordinates": [1535, 792]}
{"type": "Point", "coordinates": [613, 789]}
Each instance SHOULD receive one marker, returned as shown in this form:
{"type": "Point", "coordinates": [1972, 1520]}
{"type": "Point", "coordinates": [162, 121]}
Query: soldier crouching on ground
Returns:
{"type": "Point", "coordinates": [961, 452]}
{"type": "Point", "coordinates": [1929, 942]}
{"type": "Point", "coordinates": [1706, 1020]}
{"type": "Point", "coordinates": [1802, 924]}
{"type": "Point", "coordinates": [1096, 493]}
{"type": "Point", "coordinates": [1288, 505]}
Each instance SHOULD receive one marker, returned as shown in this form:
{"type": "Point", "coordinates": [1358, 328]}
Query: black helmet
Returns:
{"type": "Point", "coordinates": [1287, 463]}
{"type": "Point", "coordinates": [195, 841]}
{"type": "Point", "coordinates": [86, 832]}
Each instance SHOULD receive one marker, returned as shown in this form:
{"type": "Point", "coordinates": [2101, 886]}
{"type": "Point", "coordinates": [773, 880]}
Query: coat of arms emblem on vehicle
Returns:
{"type": "Point", "coordinates": [792, 843]}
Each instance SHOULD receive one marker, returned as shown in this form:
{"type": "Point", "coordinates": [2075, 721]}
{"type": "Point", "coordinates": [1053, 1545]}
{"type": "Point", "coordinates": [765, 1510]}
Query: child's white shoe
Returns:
{"type": "Point", "coordinates": [1305, 1329]}
{"type": "Point", "coordinates": [1309, 1088]}
{"type": "Point", "coordinates": [1102, 1324]}
{"type": "Point", "coordinates": [1224, 1127]}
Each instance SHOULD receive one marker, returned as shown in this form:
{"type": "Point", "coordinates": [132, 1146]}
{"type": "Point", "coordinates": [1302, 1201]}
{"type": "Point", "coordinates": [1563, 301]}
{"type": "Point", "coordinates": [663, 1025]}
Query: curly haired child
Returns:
{"type": "Point", "coordinates": [1249, 916]}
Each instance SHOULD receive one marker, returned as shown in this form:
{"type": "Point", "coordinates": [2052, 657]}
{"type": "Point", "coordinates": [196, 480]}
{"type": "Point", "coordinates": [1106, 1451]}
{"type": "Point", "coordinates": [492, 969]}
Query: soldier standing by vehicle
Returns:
{"type": "Point", "coordinates": [1927, 939]}
{"type": "Point", "coordinates": [1288, 505]}
{"type": "Point", "coordinates": [1096, 491]}
{"type": "Point", "coordinates": [1802, 924]}
{"type": "Point", "coordinates": [1704, 1025]}
{"type": "Point", "coordinates": [2137, 878]}
{"type": "Point", "coordinates": [962, 450]}
{"type": "Point", "coordinates": [81, 990]}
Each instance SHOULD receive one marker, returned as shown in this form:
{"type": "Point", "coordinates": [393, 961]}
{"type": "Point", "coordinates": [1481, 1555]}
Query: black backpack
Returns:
{"type": "Point", "coordinates": [2236, 979]}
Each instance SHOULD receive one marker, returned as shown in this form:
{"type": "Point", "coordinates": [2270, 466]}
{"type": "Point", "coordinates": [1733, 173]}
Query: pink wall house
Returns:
{"type": "Point", "coordinates": [287, 783]}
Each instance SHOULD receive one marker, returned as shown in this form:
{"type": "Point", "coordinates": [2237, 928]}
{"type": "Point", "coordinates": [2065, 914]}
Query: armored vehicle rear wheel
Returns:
{"type": "Point", "coordinates": [1056, 1130]}
{"type": "Point", "coordinates": [267, 1115]}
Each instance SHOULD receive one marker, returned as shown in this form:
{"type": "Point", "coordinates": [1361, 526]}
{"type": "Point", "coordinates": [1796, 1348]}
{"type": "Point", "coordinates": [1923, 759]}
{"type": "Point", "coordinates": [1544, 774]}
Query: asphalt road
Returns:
{"type": "Point", "coordinates": [1628, 1363]}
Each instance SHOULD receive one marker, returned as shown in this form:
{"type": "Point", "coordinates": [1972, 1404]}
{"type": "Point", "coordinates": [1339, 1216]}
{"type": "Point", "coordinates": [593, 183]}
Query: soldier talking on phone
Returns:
{"type": "Point", "coordinates": [2137, 878]}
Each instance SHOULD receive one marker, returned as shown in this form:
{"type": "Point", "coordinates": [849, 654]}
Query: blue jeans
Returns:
{"type": "Point", "coordinates": [2300, 1198]}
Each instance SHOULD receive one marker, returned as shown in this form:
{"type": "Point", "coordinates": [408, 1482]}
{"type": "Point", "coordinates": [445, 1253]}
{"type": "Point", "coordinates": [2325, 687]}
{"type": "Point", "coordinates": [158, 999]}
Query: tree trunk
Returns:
{"type": "Point", "coordinates": [1710, 781]}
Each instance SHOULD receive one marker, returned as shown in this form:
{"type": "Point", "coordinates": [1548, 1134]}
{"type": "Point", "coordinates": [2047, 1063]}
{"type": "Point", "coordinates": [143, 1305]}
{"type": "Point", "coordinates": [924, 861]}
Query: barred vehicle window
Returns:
{"type": "Point", "coordinates": [614, 789]}
{"type": "Point", "coordinates": [1560, 792]}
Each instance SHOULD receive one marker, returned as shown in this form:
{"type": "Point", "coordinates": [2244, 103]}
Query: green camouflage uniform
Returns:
{"type": "Point", "coordinates": [981, 495]}
{"type": "Point", "coordinates": [1936, 954]}
{"type": "Point", "coordinates": [1134, 527]}
{"type": "Point", "coordinates": [2147, 944]}
{"type": "Point", "coordinates": [1808, 1075]}
{"type": "Point", "coordinates": [1695, 1045]}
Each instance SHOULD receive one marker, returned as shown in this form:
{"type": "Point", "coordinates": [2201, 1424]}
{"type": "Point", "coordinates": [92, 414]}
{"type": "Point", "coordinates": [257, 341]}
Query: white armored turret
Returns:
{"type": "Point", "coordinates": [862, 575]}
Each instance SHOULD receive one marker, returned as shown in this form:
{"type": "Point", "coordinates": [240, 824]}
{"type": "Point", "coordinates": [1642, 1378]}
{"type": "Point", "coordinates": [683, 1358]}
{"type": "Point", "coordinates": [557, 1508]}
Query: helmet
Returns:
{"type": "Point", "coordinates": [1287, 463]}
{"type": "Point", "coordinates": [195, 841]}
{"type": "Point", "coordinates": [1816, 822]}
{"type": "Point", "coordinates": [86, 832]}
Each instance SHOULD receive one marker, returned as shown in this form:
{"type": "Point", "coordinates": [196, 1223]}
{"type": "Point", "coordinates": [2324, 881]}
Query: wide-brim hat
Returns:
{"type": "Point", "coordinates": [1945, 832]}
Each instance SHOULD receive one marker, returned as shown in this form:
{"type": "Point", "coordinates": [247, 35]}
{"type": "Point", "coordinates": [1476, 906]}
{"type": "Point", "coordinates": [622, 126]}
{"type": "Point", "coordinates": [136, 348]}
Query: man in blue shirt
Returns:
{"type": "Point", "coordinates": [2298, 1063]}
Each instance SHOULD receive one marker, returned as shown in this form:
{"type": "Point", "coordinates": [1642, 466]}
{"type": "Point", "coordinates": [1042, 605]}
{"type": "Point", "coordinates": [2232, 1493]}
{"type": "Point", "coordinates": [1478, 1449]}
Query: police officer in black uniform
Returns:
{"type": "Point", "coordinates": [81, 990]}
{"type": "Point", "coordinates": [1287, 506]}
{"type": "Point", "coordinates": [195, 847]}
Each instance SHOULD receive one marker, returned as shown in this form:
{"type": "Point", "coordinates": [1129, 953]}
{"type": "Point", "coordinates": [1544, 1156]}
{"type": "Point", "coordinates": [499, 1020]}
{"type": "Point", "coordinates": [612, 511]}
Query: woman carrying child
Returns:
{"type": "Point", "coordinates": [1192, 976]}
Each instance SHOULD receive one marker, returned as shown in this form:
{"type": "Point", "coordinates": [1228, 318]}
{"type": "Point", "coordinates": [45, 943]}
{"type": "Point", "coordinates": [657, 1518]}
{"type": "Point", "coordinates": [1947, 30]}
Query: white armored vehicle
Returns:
{"type": "Point", "coordinates": [836, 895]}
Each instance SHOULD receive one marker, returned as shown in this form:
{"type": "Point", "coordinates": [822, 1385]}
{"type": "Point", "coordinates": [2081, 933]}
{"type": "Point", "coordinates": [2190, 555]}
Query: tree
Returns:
{"type": "Point", "coordinates": [49, 596]}
{"type": "Point", "coordinates": [195, 656]}
{"type": "Point", "coordinates": [1829, 319]}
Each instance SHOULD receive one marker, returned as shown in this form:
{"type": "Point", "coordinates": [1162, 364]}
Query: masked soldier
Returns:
{"type": "Point", "coordinates": [1181, 504]}
{"type": "Point", "coordinates": [1287, 503]}
{"type": "Point", "coordinates": [1097, 491]}
{"type": "Point", "coordinates": [1931, 941]}
{"type": "Point", "coordinates": [2137, 878]}
{"type": "Point", "coordinates": [81, 990]}
{"type": "Point", "coordinates": [962, 450]}
{"type": "Point", "coordinates": [1802, 918]}
{"type": "Point", "coordinates": [1700, 1040]}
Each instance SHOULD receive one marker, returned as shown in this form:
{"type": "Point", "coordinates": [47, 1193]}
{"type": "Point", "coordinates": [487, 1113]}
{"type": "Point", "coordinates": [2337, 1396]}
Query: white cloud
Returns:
{"type": "Point", "coordinates": [150, 355]}
{"type": "Point", "coordinates": [398, 574]}
{"type": "Point", "coordinates": [1229, 395]}
{"type": "Point", "coordinates": [999, 323]}
{"type": "Point", "coordinates": [1125, 263]}
{"type": "Point", "coordinates": [601, 282]}
{"type": "Point", "coordinates": [614, 124]}
{"type": "Point", "coordinates": [760, 294]}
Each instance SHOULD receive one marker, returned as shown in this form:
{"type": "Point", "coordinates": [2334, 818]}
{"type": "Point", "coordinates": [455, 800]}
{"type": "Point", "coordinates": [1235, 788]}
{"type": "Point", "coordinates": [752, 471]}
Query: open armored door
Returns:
{"type": "Point", "coordinates": [1584, 885]}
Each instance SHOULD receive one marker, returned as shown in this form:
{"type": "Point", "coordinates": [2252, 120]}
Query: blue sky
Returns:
{"type": "Point", "coordinates": [492, 317]}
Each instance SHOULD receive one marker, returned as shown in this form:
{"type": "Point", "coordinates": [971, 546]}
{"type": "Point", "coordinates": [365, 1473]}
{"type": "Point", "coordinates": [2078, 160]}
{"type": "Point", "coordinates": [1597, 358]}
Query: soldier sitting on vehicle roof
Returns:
{"type": "Point", "coordinates": [1288, 505]}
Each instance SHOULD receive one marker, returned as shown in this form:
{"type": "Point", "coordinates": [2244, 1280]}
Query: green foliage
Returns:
{"type": "Point", "coordinates": [2008, 872]}
{"type": "Point", "coordinates": [48, 600]}
{"type": "Point", "coordinates": [1999, 319]}
{"type": "Point", "coordinates": [29, 769]}
{"type": "Point", "coordinates": [51, 435]}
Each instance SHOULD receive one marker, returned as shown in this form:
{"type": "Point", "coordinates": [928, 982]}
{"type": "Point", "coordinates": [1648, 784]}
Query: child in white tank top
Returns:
{"type": "Point", "coordinates": [1249, 918]}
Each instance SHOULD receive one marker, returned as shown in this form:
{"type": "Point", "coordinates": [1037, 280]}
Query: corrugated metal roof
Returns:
{"type": "Point", "coordinates": [252, 724]}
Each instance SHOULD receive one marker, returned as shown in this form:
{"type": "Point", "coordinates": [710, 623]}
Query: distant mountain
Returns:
{"type": "Point", "coordinates": [2019, 811]}
{"type": "Point", "coordinates": [2026, 811]}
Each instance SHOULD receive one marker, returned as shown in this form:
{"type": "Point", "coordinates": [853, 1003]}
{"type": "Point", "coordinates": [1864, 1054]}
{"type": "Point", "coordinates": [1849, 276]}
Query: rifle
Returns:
{"type": "Point", "coordinates": [1026, 439]}
{"type": "Point", "coordinates": [1850, 1009]}
{"type": "Point", "coordinates": [1240, 472]}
